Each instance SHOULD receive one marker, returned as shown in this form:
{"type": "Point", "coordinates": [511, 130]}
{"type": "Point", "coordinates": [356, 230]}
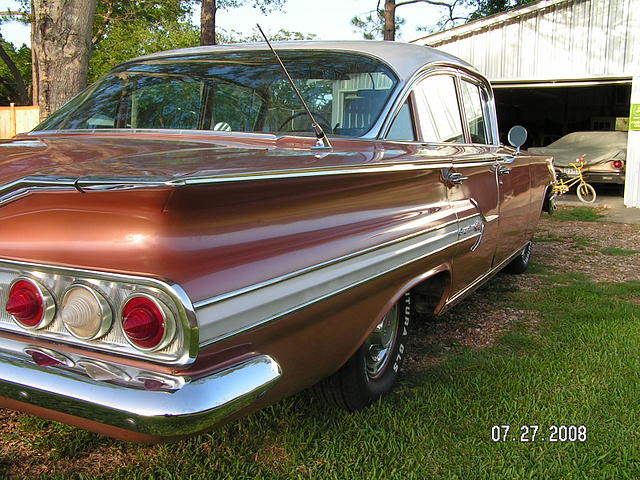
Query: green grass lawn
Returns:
{"type": "Point", "coordinates": [579, 367]}
{"type": "Point", "coordinates": [580, 214]}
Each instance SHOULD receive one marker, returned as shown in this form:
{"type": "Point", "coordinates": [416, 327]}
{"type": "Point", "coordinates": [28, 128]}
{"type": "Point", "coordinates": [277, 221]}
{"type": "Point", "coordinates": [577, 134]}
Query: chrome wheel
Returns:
{"type": "Point", "coordinates": [373, 369]}
{"type": "Point", "coordinates": [380, 343]}
{"type": "Point", "coordinates": [526, 253]}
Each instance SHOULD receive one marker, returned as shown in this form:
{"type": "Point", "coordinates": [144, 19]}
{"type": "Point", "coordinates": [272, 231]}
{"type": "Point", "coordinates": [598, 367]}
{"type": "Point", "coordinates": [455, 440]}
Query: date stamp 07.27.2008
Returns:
{"type": "Point", "coordinates": [537, 433]}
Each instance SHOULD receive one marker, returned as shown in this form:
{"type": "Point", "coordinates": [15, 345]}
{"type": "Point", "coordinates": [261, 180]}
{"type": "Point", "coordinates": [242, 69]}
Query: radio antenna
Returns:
{"type": "Point", "coordinates": [323, 142]}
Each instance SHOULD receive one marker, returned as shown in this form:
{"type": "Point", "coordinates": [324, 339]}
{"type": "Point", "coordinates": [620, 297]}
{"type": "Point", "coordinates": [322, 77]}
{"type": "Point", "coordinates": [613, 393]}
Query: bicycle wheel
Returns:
{"type": "Point", "coordinates": [586, 193]}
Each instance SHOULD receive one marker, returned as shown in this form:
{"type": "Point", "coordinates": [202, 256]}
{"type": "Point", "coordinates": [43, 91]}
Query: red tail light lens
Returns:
{"type": "Point", "coordinates": [30, 304]}
{"type": "Point", "coordinates": [146, 323]}
{"type": "Point", "coordinates": [618, 164]}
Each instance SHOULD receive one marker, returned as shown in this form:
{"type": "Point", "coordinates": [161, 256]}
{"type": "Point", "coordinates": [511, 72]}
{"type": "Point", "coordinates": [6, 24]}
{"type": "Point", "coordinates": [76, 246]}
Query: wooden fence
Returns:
{"type": "Point", "coordinates": [14, 120]}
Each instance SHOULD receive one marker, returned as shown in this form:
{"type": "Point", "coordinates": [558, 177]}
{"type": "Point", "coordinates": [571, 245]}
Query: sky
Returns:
{"type": "Point", "coordinates": [328, 19]}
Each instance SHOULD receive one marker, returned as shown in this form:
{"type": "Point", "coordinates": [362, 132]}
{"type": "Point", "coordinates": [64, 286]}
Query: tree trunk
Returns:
{"type": "Point", "coordinates": [61, 43]}
{"type": "Point", "coordinates": [208, 22]}
{"type": "Point", "coordinates": [390, 20]}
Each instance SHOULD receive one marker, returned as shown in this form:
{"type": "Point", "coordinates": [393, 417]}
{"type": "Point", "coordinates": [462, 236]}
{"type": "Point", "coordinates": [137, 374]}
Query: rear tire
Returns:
{"type": "Point", "coordinates": [520, 263]}
{"type": "Point", "coordinates": [373, 370]}
{"type": "Point", "coordinates": [586, 193]}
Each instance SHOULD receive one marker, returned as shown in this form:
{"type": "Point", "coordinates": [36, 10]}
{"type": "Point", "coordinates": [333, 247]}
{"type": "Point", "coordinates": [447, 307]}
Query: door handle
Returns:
{"type": "Point", "coordinates": [502, 170]}
{"type": "Point", "coordinates": [456, 178]}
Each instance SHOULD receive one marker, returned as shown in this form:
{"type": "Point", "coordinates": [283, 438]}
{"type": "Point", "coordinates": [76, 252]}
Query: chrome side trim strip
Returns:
{"type": "Point", "coordinates": [208, 301]}
{"type": "Point", "coordinates": [42, 183]}
{"type": "Point", "coordinates": [25, 186]}
{"type": "Point", "coordinates": [246, 309]}
{"type": "Point", "coordinates": [196, 406]}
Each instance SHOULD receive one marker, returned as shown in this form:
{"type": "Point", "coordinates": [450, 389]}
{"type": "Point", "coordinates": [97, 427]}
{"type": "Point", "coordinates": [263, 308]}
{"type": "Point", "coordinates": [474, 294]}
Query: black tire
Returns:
{"type": "Point", "coordinates": [520, 263]}
{"type": "Point", "coordinates": [549, 205]}
{"type": "Point", "coordinates": [362, 380]}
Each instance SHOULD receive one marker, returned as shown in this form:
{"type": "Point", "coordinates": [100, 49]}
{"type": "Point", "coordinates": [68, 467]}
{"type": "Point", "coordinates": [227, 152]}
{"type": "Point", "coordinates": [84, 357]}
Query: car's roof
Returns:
{"type": "Point", "coordinates": [406, 59]}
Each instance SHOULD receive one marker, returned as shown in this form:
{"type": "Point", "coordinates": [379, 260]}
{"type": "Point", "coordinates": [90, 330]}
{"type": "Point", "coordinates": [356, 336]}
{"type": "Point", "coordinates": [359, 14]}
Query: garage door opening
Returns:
{"type": "Point", "coordinates": [550, 112]}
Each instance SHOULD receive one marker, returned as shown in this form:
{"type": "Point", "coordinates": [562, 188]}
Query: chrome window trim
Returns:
{"type": "Point", "coordinates": [438, 69]}
{"type": "Point", "coordinates": [488, 105]}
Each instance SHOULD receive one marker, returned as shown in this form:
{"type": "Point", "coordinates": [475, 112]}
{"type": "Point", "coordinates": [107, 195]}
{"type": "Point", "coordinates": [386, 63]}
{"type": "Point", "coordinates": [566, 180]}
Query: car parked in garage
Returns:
{"type": "Point", "coordinates": [604, 154]}
{"type": "Point", "coordinates": [183, 243]}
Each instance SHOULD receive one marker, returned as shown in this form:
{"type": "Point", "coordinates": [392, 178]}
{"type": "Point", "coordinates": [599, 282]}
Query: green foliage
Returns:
{"type": "Point", "coordinates": [233, 36]}
{"type": "Point", "coordinates": [265, 6]}
{"type": "Point", "coordinates": [140, 28]}
{"type": "Point", "coordinates": [484, 8]}
{"type": "Point", "coordinates": [113, 13]}
{"type": "Point", "coordinates": [21, 57]}
{"type": "Point", "coordinates": [123, 29]}
{"type": "Point", "coordinates": [127, 40]}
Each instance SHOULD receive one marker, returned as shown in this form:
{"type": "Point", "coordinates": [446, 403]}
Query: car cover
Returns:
{"type": "Point", "coordinates": [595, 147]}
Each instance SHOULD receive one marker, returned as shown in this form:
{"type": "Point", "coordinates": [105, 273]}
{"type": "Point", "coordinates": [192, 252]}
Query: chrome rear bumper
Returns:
{"type": "Point", "coordinates": [196, 406]}
{"type": "Point", "coordinates": [604, 177]}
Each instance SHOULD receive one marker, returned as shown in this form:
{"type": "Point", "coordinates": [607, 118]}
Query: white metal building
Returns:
{"type": "Point", "coordinates": [559, 66]}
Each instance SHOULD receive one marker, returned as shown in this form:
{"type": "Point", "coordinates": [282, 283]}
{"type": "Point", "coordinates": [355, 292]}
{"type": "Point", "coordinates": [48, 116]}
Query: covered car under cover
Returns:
{"type": "Point", "coordinates": [594, 147]}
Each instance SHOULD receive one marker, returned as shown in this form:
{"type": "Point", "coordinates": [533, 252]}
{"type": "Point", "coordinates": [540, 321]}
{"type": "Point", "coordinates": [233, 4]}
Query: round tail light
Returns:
{"type": "Point", "coordinates": [85, 313]}
{"type": "Point", "coordinates": [618, 164]}
{"type": "Point", "coordinates": [147, 323]}
{"type": "Point", "coordinates": [30, 304]}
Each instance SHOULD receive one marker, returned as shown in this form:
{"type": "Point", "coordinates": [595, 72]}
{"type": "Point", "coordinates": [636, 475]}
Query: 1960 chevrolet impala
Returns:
{"type": "Point", "coordinates": [184, 243]}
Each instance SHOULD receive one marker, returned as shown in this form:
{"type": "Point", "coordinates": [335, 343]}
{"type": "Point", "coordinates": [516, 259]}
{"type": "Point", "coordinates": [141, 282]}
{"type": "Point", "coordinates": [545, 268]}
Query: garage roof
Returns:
{"type": "Point", "coordinates": [572, 40]}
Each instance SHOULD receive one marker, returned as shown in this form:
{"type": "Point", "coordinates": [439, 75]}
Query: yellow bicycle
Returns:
{"type": "Point", "coordinates": [564, 182]}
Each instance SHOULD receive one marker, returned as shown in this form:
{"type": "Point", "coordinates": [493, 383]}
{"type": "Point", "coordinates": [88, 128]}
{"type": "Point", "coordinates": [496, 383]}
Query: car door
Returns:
{"type": "Point", "coordinates": [512, 173]}
{"type": "Point", "coordinates": [472, 182]}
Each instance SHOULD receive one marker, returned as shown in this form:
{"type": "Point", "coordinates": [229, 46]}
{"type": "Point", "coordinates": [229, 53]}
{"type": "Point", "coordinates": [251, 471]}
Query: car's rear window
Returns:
{"type": "Point", "coordinates": [235, 91]}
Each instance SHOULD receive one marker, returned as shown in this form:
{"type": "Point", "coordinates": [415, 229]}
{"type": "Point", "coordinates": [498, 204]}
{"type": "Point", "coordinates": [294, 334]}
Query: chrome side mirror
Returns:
{"type": "Point", "coordinates": [517, 136]}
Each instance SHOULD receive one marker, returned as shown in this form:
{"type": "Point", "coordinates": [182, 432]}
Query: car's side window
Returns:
{"type": "Point", "coordinates": [438, 109]}
{"type": "Point", "coordinates": [402, 128]}
{"type": "Point", "coordinates": [475, 113]}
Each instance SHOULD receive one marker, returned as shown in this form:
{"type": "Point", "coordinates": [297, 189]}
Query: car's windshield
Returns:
{"type": "Point", "coordinates": [235, 91]}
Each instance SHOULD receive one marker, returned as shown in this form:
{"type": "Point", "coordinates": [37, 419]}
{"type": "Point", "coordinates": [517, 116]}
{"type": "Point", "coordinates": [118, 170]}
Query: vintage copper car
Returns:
{"type": "Point", "coordinates": [179, 248]}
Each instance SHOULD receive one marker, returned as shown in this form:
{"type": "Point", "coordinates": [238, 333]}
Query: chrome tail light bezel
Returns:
{"type": "Point", "coordinates": [168, 318]}
{"type": "Point", "coordinates": [106, 316]}
{"type": "Point", "coordinates": [179, 347]}
{"type": "Point", "coordinates": [49, 308]}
